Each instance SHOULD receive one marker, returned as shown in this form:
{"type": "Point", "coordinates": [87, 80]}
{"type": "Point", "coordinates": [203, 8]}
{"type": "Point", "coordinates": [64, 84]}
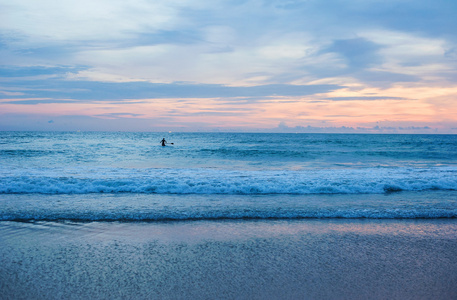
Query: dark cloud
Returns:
{"type": "Point", "coordinates": [359, 53]}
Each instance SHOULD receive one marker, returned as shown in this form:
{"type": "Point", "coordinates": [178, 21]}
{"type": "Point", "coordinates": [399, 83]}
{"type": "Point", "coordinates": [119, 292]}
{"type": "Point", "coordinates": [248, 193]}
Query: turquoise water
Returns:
{"type": "Point", "coordinates": [225, 151]}
{"type": "Point", "coordinates": [130, 176]}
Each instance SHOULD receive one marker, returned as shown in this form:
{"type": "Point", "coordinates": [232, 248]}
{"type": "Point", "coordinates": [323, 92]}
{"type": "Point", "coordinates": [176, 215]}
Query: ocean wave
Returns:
{"type": "Point", "coordinates": [241, 214]}
{"type": "Point", "coordinates": [213, 181]}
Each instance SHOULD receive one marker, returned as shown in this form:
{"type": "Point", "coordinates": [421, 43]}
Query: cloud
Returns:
{"type": "Point", "coordinates": [39, 101]}
{"type": "Point", "coordinates": [61, 90]}
{"type": "Point", "coordinates": [119, 115]}
{"type": "Point", "coordinates": [203, 42]}
{"type": "Point", "coordinates": [252, 53]}
{"type": "Point", "coordinates": [359, 58]}
{"type": "Point", "coordinates": [282, 127]}
{"type": "Point", "coordinates": [358, 53]}
{"type": "Point", "coordinates": [88, 20]}
{"type": "Point", "coordinates": [19, 72]}
{"type": "Point", "coordinates": [365, 98]}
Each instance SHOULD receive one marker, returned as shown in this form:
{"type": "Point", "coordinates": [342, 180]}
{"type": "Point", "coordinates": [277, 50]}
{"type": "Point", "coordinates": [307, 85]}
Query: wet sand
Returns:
{"type": "Point", "coordinates": [268, 259]}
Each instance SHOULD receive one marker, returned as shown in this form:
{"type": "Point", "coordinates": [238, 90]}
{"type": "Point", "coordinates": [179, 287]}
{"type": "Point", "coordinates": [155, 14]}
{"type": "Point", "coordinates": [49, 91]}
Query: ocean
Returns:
{"type": "Point", "coordinates": [115, 215]}
{"type": "Point", "coordinates": [94, 176]}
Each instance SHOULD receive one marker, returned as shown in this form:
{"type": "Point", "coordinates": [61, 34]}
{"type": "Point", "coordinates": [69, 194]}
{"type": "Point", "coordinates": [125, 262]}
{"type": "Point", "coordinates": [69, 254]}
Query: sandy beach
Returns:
{"type": "Point", "coordinates": [265, 259]}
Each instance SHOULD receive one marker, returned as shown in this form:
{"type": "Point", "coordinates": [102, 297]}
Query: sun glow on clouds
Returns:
{"type": "Point", "coordinates": [297, 111]}
{"type": "Point", "coordinates": [238, 65]}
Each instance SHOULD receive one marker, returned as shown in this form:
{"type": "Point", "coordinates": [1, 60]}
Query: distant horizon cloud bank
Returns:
{"type": "Point", "coordinates": [126, 123]}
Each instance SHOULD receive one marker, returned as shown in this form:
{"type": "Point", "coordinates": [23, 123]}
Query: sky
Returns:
{"type": "Point", "coordinates": [355, 66]}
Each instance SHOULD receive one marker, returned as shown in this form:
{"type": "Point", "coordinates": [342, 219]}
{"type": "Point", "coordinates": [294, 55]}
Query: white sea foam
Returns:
{"type": "Point", "coordinates": [85, 180]}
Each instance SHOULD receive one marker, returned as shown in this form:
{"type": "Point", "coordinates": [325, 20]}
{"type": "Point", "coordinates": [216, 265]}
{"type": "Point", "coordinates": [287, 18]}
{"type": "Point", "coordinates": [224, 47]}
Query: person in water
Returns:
{"type": "Point", "coordinates": [163, 141]}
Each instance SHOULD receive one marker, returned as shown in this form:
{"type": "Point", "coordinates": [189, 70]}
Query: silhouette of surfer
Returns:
{"type": "Point", "coordinates": [164, 142]}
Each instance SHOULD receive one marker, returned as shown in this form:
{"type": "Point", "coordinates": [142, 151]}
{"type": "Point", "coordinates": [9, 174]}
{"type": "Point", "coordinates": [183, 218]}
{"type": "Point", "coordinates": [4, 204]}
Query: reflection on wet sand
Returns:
{"type": "Point", "coordinates": [274, 259]}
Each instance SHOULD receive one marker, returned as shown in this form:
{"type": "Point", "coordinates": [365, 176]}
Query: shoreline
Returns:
{"type": "Point", "coordinates": [255, 259]}
{"type": "Point", "coordinates": [100, 207]}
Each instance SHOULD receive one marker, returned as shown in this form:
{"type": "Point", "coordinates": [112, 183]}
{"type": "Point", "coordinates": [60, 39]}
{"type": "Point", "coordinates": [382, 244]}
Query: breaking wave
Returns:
{"type": "Point", "coordinates": [213, 181]}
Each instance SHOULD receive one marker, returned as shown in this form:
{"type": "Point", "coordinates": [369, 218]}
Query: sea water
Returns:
{"type": "Point", "coordinates": [123, 176]}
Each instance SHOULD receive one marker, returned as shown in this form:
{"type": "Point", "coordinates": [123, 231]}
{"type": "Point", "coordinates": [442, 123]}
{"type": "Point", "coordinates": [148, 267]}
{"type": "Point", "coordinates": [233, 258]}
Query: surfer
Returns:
{"type": "Point", "coordinates": [163, 141]}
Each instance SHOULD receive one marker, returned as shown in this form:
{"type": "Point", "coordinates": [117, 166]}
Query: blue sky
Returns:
{"type": "Point", "coordinates": [370, 66]}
